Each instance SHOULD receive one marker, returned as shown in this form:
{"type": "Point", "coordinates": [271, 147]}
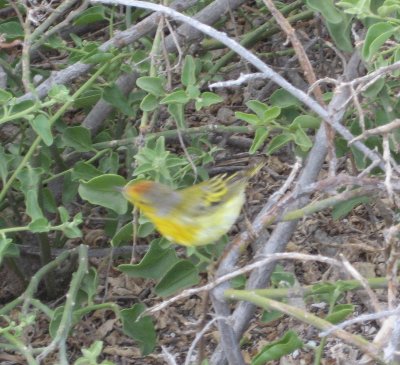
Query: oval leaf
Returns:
{"type": "Point", "coordinates": [179, 97]}
{"type": "Point", "coordinates": [42, 127]}
{"type": "Point", "coordinates": [102, 191]}
{"type": "Point", "coordinates": [149, 103]}
{"type": "Point", "coordinates": [189, 71]}
{"type": "Point", "coordinates": [142, 330]}
{"type": "Point", "coordinates": [259, 139]}
{"type": "Point", "coordinates": [182, 275]}
{"type": "Point", "coordinates": [377, 35]}
{"type": "Point", "coordinates": [278, 142]}
{"type": "Point", "coordinates": [154, 264]}
{"type": "Point", "coordinates": [277, 349]}
{"type": "Point", "coordinates": [153, 85]}
{"type": "Point", "coordinates": [78, 138]}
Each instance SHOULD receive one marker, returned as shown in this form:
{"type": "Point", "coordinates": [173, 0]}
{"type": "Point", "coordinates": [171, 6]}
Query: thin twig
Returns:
{"type": "Point", "coordinates": [359, 319]}
{"type": "Point", "coordinates": [270, 258]}
{"type": "Point", "coordinates": [258, 63]}
{"type": "Point", "coordinates": [356, 275]}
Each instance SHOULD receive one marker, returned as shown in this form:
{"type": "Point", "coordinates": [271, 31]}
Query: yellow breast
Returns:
{"type": "Point", "coordinates": [201, 229]}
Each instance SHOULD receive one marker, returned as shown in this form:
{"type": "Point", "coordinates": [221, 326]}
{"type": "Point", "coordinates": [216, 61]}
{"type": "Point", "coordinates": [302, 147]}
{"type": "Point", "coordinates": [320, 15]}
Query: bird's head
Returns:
{"type": "Point", "coordinates": [151, 196]}
{"type": "Point", "coordinates": [140, 193]}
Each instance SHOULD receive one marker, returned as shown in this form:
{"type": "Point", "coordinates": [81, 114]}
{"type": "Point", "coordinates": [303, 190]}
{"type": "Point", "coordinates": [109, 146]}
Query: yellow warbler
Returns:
{"type": "Point", "coordinates": [197, 215]}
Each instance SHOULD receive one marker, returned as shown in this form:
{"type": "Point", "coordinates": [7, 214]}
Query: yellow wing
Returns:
{"type": "Point", "coordinates": [209, 195]}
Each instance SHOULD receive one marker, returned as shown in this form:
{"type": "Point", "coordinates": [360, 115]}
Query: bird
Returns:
{"type": "Point", "coordinates": [197, 215]}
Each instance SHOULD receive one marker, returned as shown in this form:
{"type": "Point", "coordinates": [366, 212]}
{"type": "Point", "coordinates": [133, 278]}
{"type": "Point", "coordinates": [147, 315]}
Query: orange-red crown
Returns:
{"type": "Point", "coordinates": [139, 187]}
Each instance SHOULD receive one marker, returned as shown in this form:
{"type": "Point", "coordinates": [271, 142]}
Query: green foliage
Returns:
{"type": "Point", "coordinates": [102, 190]}
{"type": "Point", "coordinates": [7, 248]}
{"type": "Point", "coordinates": [90, 355]}
{"type": "Point", "coordinates": [275, 350]}
{"type": "Point", "coordinates": [61, 175]}
{"type": "Point", "coordinates": [338, 23]}
{"type": "Point", "coordinates": [180, 276]}
{"type": "Point", "coordinates": [340, 210]}
{"type": "Point", "coordinates": [156, 262]}
{"type": "Point", "coordinates": [91, 15]}
{"type": "Point", "coordinates": [162, 264]}
{"type": "Point", "coordinates": [265, 122]}
{"type": "Point", "coordinates": [140, 329]}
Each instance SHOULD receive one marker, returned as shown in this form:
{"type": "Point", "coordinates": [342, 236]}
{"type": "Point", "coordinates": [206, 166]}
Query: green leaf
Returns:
{"type": "Point", "coordinates": [153, 85]}
{"type": "Point", "coordinates": [113, 95]}
{"type": "Point", "coordinates": [206, 99]}
{"type": "Point", "coordinates": [49, 202]}
{"type": "Point", "coordinates": [304, 122]}
{"type": "Point", "coordinates": [32, 206]}
{"type": "Point", "coordinates": [39, 225]}
{"type": "Point", "coordinates": [97, 57]}
{"type": "Point", "coordinates": [355, 6]}
{"type": "Point", "coordinates": [55, 42]}
{"type": "Point", "coordinates": [110, 163]}
{"type": "Point", "coordinates": [377, 35]}
{"type": "Point", "coordinates": [389, 8]}
{"type": "Point", "coordinates": [270, 316]}
{"type": "Point", "coordinates": [87, 99]}
{"type": "Point", "coordinates": [60, 93]}
{"type": "Point", "coordinates": [7, 248]}
{"type": "Point", "coordinates": [283, 99]}
{"type": "Point", "coordinates": [339, 313]}
{"type": "Point", "coordinates": [189, 71]}
{"type": "Point", "coordinates": [149, 103]}
{"type": "Point", "coordinates": [178, 96]}
{"type": "Point", "coordinates": [280, 276]}
{"type": "Point", "coordinates": [278, 141]}
{"type": "Point", "coordinates": [11, 31]}
{"type": "Point", "coordinates": [323, 288]}
{"type": "Point", "coordinates": [238, 282]}
{"type": "Point", "coordinates": [193, 91]}
{"type": "Point", "coordinates": [142, 330]}
{"type": "Point", "coordinates": [260, 136]}
{"type": "Point", "coordinates": [64, 215]}
{"type": "Point", "coordinates": [145, 229]}
{"type": "Point", "coordinates": [70, 229]}
{"type": "Point", "coordinates": [271, 114]}
{"type": "Point", "coordinates": [101, 190]}
{"type": "Point", "coordinates": [91, 15]}
{"type": "Point", "coordinates": [159, 148]}
{"type": "Point", "coordinates": [70, 189]}
{"type": "Point", "coordinates": [340, 32]}
{"type": "Point", "coordinates": [258, 107]}
{"type": "Point", "coordinates": [84, 171]}
{"type": "Point", "coordinates": [374, 89]}
{"type": "Point", "coordinates": [5, 96]}
{"type": "Point", "coordinates": [302, 140]}
{"type": "Point", "coordinates": [89, 285]}
{"type": "Point", "coordinates": [55, 321]}
{"type": "Point", "coordinates": [249, 118]}
{"type": "Point", "coordinates": [41, 125]}
{"type": "Point", "coordinates": [91, 354]}
{"type": "Point", "coordinates": [182, 275]}
{"type": "Point", "coordinates": [176, 110]}
{"type": "Point", "coordinates": [277, 349]}
{"type": "Point", "coordinates": [4, 161]}
{"type": "Point", "coordinates": [154, 264]}
{"type": "Point", "coordinates": [124, 234]}
{"type": "Point", "coordinates": [78, 138]}
{"type": "Point", "coordinates": [29, 178]}
{"type": "Point", "coordinates": [341, 209]}
{"type": "Point", "coordinates": [327, 9]}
